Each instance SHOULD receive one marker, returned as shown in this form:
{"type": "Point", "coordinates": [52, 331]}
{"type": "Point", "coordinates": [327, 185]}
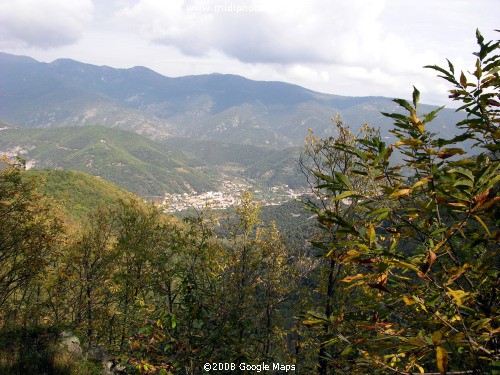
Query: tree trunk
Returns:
{"type": "Point", "coordinates": [322, 360]}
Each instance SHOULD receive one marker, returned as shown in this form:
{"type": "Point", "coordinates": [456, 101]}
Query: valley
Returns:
{"type": "Point", "coordinates": [186, 141]}
{"type": "Point", "coordinates": [161, 225]}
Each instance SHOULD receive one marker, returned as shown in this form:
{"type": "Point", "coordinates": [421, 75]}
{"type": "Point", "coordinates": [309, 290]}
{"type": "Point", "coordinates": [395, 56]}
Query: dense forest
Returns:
{"type": "Point", "coordinates": [401, 275]}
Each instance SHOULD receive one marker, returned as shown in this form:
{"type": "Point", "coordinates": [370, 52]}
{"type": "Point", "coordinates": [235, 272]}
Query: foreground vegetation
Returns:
{"type": "Point", "coordinates": [403, 277]}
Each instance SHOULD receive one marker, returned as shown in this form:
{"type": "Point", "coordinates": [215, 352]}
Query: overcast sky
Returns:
{"type": "Point", "coordinates": [345, 47]}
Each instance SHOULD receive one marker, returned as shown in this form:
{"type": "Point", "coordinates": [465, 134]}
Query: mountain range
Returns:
{"type": "Point", "coordinates": [220, 107]}
{"type": "Point", "coordinates": [152, 134]}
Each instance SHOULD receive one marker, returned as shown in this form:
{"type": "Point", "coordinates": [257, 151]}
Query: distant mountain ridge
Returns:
{"type": "Point", "coordinates": [220, 107]}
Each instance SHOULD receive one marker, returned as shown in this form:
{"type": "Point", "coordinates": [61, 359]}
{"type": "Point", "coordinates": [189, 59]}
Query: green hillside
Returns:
{"type": "Point", "coordinates": [78, 193]}
{"type": "Point", "coordinates": [129, 160]}
{"type": "Point", "coordinates": [265, 166]}
{"type": "Point", "coordinates": [219, 153]}
{"type": "Point", "coordinates": [279, 168]}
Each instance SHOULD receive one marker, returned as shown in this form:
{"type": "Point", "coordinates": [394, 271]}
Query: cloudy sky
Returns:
{"type": "Point", "coordinates": [346, 47]}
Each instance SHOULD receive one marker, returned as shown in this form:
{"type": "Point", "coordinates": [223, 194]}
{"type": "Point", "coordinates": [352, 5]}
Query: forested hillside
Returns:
{"type": "Point", "coordinates": [399, 276]}
{"type": "Point", "coordinates": [77, 194]}
{"type": "Point", "coordinates": [152, 168]}
{"type": "Point", "coordinates": [127, 159]}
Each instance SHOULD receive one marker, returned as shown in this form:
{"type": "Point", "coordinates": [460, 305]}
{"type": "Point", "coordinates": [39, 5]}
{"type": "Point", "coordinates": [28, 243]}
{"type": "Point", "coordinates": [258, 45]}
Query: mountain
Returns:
{"type": "Point", "coordinates": [127, 159]}
{"type": "Point", "coordinates": [222, 107]}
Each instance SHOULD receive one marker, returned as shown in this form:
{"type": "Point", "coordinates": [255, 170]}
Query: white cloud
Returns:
{"type": "Point", "coordinates": [308, 74]}
{"type": "Point", "coordinates": [312, 32]}
{"type": "Point", "coordinates": [253, 31]}
{"type": "Point", "coordinates": [47, 23]}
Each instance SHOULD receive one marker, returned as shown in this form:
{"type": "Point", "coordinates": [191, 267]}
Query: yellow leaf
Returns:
{"type": "Point", "coordinates": [420, 368]}
{"type": "Point", "coordinates": [331, 253]}
{"type": "Point", "coordinates": [436, 337]}
{"type": "Point", "coordinates": [446, 153]}
{"type": "Point", "coordinates": [483, 224]}
{"type": "Point", "coordinates": [421, 182]}
{"type": "Point", "coordinates": [463, 80]}
{"type": "Point", "coordinates": [408, 142]}
{"type": "Point", "coordinates": [456, 204]}
{"type": "Point", "coordinates": [348, 279]}
{"type": "Point", "coordinates": [408, 300]}
{"type": "Point", "coordinates": [457, 295]}
{"type": "Point", "coordinates": [371, 234]}
{"type": "Point", "coordinates": [401, 193]}
{"type": "Point", "coordinates": [442, 359]}
{"type": "Point", "coordinates": [351, 254]}
{"type": "Point", "coordinates": [430, 151]}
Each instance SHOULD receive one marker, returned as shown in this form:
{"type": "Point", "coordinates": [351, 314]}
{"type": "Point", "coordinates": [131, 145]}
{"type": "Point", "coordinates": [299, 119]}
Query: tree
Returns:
{"type": "Point", "coordinates": [89, 264]}
{"type": "Point", "coordinates": [478, 95]}
{"type": "Point", "coordinates": [421, 249]}
{"type": "Point", "coordinates": [30, 230]}
{"type": "Point", "coordinates": [247, 309]}
{"type": "Point", "coordinates": [329, 160]}
{"type": "Point", "coordinates": [174, 315]}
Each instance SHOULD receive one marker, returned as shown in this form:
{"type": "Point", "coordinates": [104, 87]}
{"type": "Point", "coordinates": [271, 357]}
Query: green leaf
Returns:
{"type": "Point", "coordinates": [459, 138]}
{"type": "Point", "coordinates": [436, 337]}
{"type": "Point", "coordinates": [464, 172]}
{"type": "Point", "coordinates": [403, 264]}
{"type": "Point", "coordinates": [479, 37]}
{"type": "Point", "coordinates": [447, 76]}
{"type": "Point", "coordinates": [450, 65]}
{"type": "Point", "coordinates": [431, 115]}
{"type": "Point", "coordinates": [342, 177]}
{"type": "Point", "coordinates": [403, 103]}
{"type": "Point", "coordinates": [348, 350]}
{"type": "Point", "coordinates": [396, 116]}
{"type": "Point", "coordinates": [346, 194]}
{"type": "Point", "coordinates": [478, 71]}
{"type": "Point", "coordinates": [416, 96]}
{"type": "Point", "coordinates": [440, 230]}
{"type": "Point", "coordinates": [463, 80]}
{"type": "Point", "coordinates": [312, 322]}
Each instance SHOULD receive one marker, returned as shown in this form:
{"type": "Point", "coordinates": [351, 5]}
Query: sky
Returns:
{"type": "Point", "coordinates": [344, 47]}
